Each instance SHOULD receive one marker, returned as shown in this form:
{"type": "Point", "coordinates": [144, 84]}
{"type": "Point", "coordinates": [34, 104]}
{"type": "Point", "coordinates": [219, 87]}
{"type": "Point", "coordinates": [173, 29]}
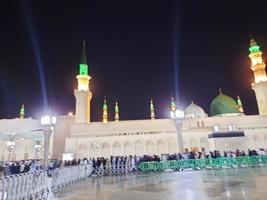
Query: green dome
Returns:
{"type": "Point", "coordinates": [223, 104]}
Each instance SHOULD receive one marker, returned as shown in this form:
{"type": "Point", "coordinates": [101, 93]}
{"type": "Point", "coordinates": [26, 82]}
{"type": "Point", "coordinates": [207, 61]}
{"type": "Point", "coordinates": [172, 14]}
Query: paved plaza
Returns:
{"type": "Point", "coordinates": [244, 183]}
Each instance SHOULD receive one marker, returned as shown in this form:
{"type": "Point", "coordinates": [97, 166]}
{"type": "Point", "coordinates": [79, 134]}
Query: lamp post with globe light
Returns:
{"type": "Point", "coordinates": [48, 122]}
{"type": "Point", "coordinates": [10, 148]}
{"type": "Point", "coordinates": [178, 115]}
{"type": "Point", "coordinates": [37, 147]}
{"type": "Point", "coordinates": [10, 145]}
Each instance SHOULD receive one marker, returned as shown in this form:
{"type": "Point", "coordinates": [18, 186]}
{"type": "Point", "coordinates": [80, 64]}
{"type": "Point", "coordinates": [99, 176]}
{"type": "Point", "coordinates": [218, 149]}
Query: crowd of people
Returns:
{"type": "Point", "coordinates": [24, 166]}
{"type": "Point", "coordinates": [17, 167]}
{"type": "Point", "coordinates": [134, 161]}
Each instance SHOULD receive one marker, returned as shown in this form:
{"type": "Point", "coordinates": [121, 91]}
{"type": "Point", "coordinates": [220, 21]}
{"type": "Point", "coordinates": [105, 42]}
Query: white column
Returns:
{"type": "Point", "coordinates": [82, 108]}
{"type": "Point", "coordinates": [180, 138]}
{"type": "Point", "coordinates": [261, 96]}
{"type": "Point", "coordinates": [47, 133]}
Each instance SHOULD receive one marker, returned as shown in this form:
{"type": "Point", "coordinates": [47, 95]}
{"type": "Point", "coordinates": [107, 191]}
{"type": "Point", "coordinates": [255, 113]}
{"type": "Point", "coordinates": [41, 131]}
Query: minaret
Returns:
{"type": "Point", "coordinates": [83, 94]}
{"type": "Point", "coordinates": [152, 111]}
{"type": "Point", "coordinates": [173, 108]}
{"type": "Point", "coordinates": [22, 112]}
{"type": "Point", "coordinates": [117, 112]}
{"type": "Point", "coordinates": [220, 91]}
{"type": "Point", "coordinates": [173, 105]}
{"type": "Point", "coordinates": [105, 111]}
{"type": "Point", "coordinates": [240, 105]}
{"type": "Point", "coordinates": [260, 79]}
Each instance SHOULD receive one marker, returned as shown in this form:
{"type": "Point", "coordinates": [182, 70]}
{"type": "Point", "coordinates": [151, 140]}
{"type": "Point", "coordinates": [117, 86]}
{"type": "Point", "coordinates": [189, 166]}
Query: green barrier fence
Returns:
{"type": "Point", "coordinates": [221, 162]}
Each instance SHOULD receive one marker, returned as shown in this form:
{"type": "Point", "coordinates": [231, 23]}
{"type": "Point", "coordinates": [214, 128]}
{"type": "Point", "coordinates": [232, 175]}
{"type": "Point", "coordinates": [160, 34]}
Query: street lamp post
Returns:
{"type": "Point", "coordinates": [178, 115]}
{"type": "Point", "coordinates": [48, 122]}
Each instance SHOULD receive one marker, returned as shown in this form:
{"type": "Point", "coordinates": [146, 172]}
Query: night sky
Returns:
{"type": "Point", "coordinates": [131, 50]}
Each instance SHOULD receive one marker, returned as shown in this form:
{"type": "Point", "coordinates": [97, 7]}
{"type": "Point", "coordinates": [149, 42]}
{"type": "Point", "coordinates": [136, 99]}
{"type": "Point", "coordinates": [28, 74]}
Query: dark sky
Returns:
{"type": "Point", "coordinates": [130, 52]}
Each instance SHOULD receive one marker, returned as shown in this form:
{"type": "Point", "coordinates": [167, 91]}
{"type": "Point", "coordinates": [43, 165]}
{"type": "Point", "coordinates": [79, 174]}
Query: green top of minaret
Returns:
{"type": "Point", "coordinates": [151, 106]}
{"type": "Point", "coordinates": [83, 66]}
{"type": "Point", "coordinates": [173, 104]}
{"type": "Point", "coordinates": [105, 106]}
{"type": "Point", "coordinates": [253, 46]}
{"type": "Point", "coordinates": [22, 111]}
{"type": "Point", "coordinates": [116, 107]}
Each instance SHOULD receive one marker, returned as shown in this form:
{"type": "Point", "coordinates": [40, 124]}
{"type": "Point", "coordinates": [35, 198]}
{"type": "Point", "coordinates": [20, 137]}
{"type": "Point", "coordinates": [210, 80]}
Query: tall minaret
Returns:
{"type": "Point", "coordinates": [117, 112]}
{"type": "Point", "coordinates": [260, 79]}
{"type": "Point", "coordinates": [22, 112]}
{"type": "Point", "coordinates": [173, 108]}
{"type": "Point", "coordinates": [83, 94]}
{"type": "Point", "coordinates": [173, 104]}
{"type": "Point", "coordinates": [105, 111]}
{"type": "Point", "coordinates": [152, 110]}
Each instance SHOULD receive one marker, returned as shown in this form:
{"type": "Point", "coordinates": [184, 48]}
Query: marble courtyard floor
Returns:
{"type": "Point", "coordinates": [245, 183]}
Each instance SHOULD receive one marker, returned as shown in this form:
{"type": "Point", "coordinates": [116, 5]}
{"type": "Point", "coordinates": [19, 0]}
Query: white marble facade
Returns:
{"type": "Point", "coordinates": [137, 137]}
{"type": "Point", "coordinates": [134, 137]}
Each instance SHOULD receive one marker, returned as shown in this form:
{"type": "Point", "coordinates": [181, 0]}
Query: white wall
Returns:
{"type": "Point", "coordinates": [24, 149]}
{"type": "Point", "coordinates": [98, 139]}
{"type": "Point", "coordinates": [122, 145]}
{"type": "Point", "coordinates": [61, 132]}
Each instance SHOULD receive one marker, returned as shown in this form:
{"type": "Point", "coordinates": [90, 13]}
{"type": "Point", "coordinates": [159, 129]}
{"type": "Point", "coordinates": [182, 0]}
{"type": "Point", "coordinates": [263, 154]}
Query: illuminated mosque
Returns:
{"type": "Point", "coordinates": [226, 127]}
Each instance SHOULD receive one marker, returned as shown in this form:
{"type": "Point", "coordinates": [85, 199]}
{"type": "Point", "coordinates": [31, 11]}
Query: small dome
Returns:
{"type": "Point", "coordinates": [194, 111]}
{"type": "Point", "coordinates": [223, 104]}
